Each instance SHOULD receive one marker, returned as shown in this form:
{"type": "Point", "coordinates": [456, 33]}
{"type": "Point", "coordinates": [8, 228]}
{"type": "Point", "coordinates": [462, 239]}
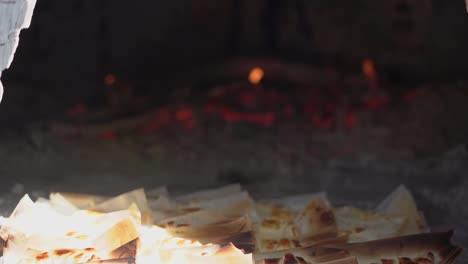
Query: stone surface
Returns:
{"type": "Point", "coordinates": [408, 36]}
{"type": "Point", "coordinates": [14, 16]}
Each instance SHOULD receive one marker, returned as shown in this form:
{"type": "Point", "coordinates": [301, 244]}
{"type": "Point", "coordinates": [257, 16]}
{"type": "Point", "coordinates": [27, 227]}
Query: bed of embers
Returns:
{"type": "Point", "coordinates": [223, 225]}
{"type": "Point", "coordinates": [307, 111]}
{"type": "Point", "coordinates": [262, 92]}
{"type": "Point", "coordinates": [421, 118]}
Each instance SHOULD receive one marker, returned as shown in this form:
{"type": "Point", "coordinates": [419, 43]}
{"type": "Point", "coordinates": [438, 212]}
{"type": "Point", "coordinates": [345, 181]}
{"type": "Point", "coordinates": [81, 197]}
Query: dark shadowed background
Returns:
{"type": "Point", "coordinates": [72, 44]}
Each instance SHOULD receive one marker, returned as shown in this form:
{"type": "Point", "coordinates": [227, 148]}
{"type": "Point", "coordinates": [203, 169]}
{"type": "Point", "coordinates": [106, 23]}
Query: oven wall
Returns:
{"type": "Point", "coordinates": [75, 42]}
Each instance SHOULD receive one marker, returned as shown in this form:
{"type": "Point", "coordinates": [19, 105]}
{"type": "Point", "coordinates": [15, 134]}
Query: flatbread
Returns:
{"type": "Point", "coordinates": [421, 248]}
{"type": "Point", "coordinates": [35, 231]}
{"type": "Point", "coordinates": [278, 227]}
{"type": "Point", "coordinates": [361, 225]}
{"type": "Point", "coordinates": [401, 202]}
{"type": "Point", "coordinates": [305, 255]}
{"type": "Point", "coordinates": [199, 228]}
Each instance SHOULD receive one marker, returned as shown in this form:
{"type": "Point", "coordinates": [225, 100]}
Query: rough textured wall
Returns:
{"type": "Point", "coordinates": [14, 16]}
{"type": "Point", "coordinates": [423, 37]}
{"type": "Point", "coordinates": [81, 40]}
{"type": "Point", "coordinates": [168, 35]}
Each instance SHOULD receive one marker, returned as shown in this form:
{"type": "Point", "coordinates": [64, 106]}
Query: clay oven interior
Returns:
{"type": "Point", "coordinates": [357, 97]}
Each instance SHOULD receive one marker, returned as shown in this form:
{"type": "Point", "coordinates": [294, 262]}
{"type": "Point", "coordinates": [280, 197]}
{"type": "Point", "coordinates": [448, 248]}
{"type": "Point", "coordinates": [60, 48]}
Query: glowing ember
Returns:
{"type": "Point", "coordinates": [184, 114]}
{"type": "Point", "coordinates": [319, 121]}
{"type": "Point", "coordinates": [107, 136]}
{"type": "Point", "coordinates": [256, 75]}
{"type": "Point", "coordinates": [158, 121]}
{"type": "Point", "coordinates": [376, 103]}
{"type": "Point", "coordinates": [263, 119]}
{"type": "Point", "coordinates": [109, 79]}
{"type": "Point", "coordinates": [77, 110]}
{"type": "Point", "coordinates": [349, 120]}
{"type": "Point", "coordinates": [229, 115]}
{"type": "Point", "coordinates": [368, 70]}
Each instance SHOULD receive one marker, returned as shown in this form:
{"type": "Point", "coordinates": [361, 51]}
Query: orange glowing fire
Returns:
{"type": "Point", "coordinates": [256, 75]}
{"type": "Point", "coordinates": [109, 79]}
{"type": "Point", "coordinates": [369, 72]}
{"type": "Point", "coordinates": [368, 69]}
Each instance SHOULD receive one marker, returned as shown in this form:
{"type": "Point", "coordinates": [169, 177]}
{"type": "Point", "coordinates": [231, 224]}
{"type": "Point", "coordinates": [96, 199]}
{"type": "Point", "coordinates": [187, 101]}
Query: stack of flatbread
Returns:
{"type": "Point", "coordinates": [297, 229]}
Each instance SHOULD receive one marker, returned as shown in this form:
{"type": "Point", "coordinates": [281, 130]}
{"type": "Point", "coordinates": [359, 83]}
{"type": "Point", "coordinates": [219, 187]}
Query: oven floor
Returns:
{"type": "Point", "coordinates": [422, 145]}
{"type": "Point", "coordinates": [268, 162]}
